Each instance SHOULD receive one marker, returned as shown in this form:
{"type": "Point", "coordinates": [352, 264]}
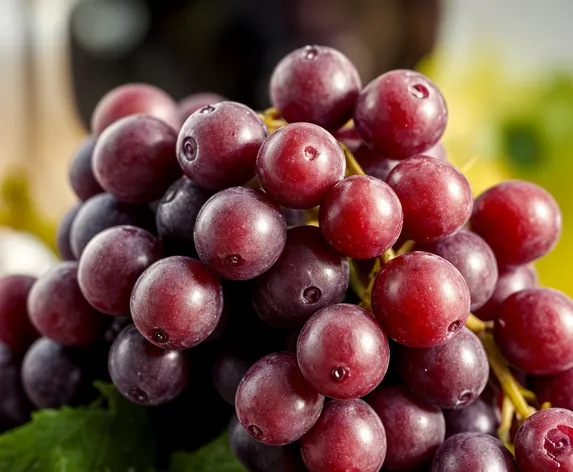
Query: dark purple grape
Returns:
{"type": "Point", "coordinates": [451, 375]}
{"type": "Point", "coordinates": [544, 443]}
{"type": "Point", "coordinates": [111, 264]}
{"type": "Point", "coordinates": [348, 436]}
{"type": "Point", "coordinates": [373, 163]}
{"type": "Point", "coordinates": [361, 217]}
{"type": "Point", "coordinates": [104, 211]}
{"type": "Point", "coordinates": [308, 276]}
{"type": "Point", "coordinates": [134, 99]}
{"type": "Point", "coordinates": [192, 103]}
{"type": "Point", "coordinates": [294, 216]}
{"type": "Point", "coordinates": [556, 389]}
{"type": "Point", "coordinates": [519, 220]}
{"type": "Point", "coordinates": [414, 430]}
{"type": "Point", "coordinates": [475, 260]}
{"type": "Point", "coordinates": [240, 233]}
{"type": "Point", "coordinates": [63, 233]}
{"type": "Point", "coordinates": [80, 173]}
{"type": "Point", "coordinates": [298, 164]}
{"type": "Point", "coordinates": [401, 113]}
{"type": "Point", "coordinates": [477, 417]}
{"type": "Point", "coordinates": [16, 330]}
{"type": "Point", "coordinates": [116, 327]}
{"type": "Point", "coordinates": [59, 311]}
{"type": "Point", "coordinates": [343, 352]}
{"type": "Point", "coordinates": [229, 367]}
{"type": "Point", "coordinates": [315, 84]}
{"type": "Point", "coordinates": [144, 373]}
{"type": "Point", "coordinates": [275, 403]}
{"type": "Point", "coordinates": [14, 405]}
{"type": "Point", "coordinates": [473, 452]}
{"type": "Point", "coordinates": [534, 331]}
{"type": "Point", "coordinates": [176, 303]}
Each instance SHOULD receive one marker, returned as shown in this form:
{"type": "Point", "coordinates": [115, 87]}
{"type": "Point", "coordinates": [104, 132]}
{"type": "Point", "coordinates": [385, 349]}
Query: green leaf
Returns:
{"type": "Point", "coordinates": [88, 439]}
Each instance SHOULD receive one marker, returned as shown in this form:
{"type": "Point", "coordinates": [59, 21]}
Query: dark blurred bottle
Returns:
{"type": "Point", "coordinates": [231, 46]}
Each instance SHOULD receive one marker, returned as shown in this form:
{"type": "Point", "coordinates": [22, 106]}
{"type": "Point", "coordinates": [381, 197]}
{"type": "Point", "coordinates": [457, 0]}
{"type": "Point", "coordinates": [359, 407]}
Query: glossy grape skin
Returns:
{"type": "Point", "coordinates": [556, 389]}
{"type": "Point", "coordinates": [348, 436]}
{"type": "Point", "coordinates": [59, 311]}
{"type": "Point", "coordinates": [473, 452]}
{"type": "Point", "coordinates": [190, 104]}
{"type": "Point", "coordinates": [134, 159]}
{"type": "Point", "coordinates": [308, 276]}
{"type": "Point", "coordinates": [14, 405]}
{"type": "Point", "coordinates": [544, 442]}
{"type": "Point", "coordinates": [343, 352]}
{"type": "Point", "coordinates": [451, 375]}
{"type": "Point", "coordinates": [229, 367]}
{"type": "Point", "coordinates": [298, 164]}
{"type": "Point", "coordinates": [414, 430]}
{"type": "Point", "coordinates": [80, 172]}
{"type": "Point", "coordinates": [144, 373]}
{"type": "Point", "coordinates": [111, 264]}
{"type": "Point", "coordinates": [315, 84]}
{"type": "Point", "coordinates": [134, 99]}
{"type": "Point", "coordinates": [436, 198]}
{"type": "Point", "coordinates": [217, 146]}
{"type": "Point", "coordinates": [250, 233]}
{"type": "Point", "coordinates": [400, 113]}
{"type": "Point", "coordinates": [477, 417]}
{"type": "Point", "coordinates": [104, 211]}
{"type": "Point", "coordinates": [534, 331]}
{"type": "Point", "coordinates": [63, 233]}
{"type": "Point", "coordinates": [519, 220]}
{"type": "Point", "coordinates": [275, 403]}
{"type": "Point", "coordinates": [16, 330]}
{"type": "Point", "coordinates": [421, 300]}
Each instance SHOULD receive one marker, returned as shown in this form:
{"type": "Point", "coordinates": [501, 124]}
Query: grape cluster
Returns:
{"type": "Point", "coordinates": [315, 266]}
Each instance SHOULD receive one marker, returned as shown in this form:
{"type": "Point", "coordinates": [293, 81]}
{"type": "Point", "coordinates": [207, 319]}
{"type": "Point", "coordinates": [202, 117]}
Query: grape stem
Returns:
{"type": "Point", "coordinates": [352, 166]}
{"type": "Point", "coordinates": [408, 246]}
{"type": "Point", "coordinates": [507, 412]}
{"type": "Point", "coordinates": [475, 324]}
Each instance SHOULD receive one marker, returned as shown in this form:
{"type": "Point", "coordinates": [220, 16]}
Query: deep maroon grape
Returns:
{"type": "Point", "coordinates": [134, 99]}
{"type": "Point", "coordinates": [421, 300]}
{"type": "Point", "coordinates": [343, 352]}
{"type": "Point", "coordinates": [176, 303]}
{"type": "Point", "coordinates": [315, 84]}
{"type": "Point", "coordinates": [81, 175]}
{"type": "Point", "coordinates": [544, 443]}
{"type": "Point", "coordinates": [144, 373]}
{"type": "Point", "coordinates": [217, 146]}
{"type": "Point", "coordinates": [477, 417]}
{"type": "Point", "coordinates": [14, 405]}
{"type": "Point", "coordinates": [104, 211]}
{"type": "Point", "coordinates": [63, 233]}
{"type": "Point", "coordinates": [451, 375]}
{"type": "Point", "coordinates": [192, 103]}
{"type": "Point", "coordinates": [294, 216]}
{"type": "Point", "coordinates": [436, 198]}
{"type": "Point", "coordinates": [473, 452]}
{"type": "Point", "coordinates": [373, 163]}
{"type": "Point", "coordinates": [275, 403]}
{"type": "Point", "coordinates": [400, 113]}
{"type": "Point", "coordinates": [16, 330]}
{"type": "Point", "coordinates": [111, 264]}
{"type": "Point", "coordinates": [229, 367]}
{"type": "Point", "coordinates": [240, 233]}
{"type": "Point", "coordinates": [308, 276]}
{"type": "Point", "coordinates": [534, 331]}
{"type": "Point", "coordinates": [519, 220]}
{"type": "Point", "coordinates": [59, 311]}
{"type": "Point", "coordinates": [298, 164]}
{"type": "Point", "coordinates": [348, 436]}
{"type": "Point", "coordinates": [556, 389]}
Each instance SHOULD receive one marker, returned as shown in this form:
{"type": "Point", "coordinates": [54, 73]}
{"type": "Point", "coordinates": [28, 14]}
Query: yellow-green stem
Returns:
{"type": "Point", "coordinates": [406, 247]}
{"type": "Point", "coordinates": [507, 412]}
{"type": "Point", "coordinates": [352, 166]}
{"type": "Point", "coordinates": [475, 324]}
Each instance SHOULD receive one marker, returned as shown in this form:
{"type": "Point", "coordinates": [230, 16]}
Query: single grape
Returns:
{"type": "Point", "coordinates": [104, 211]}
{"type": "Point", "coordinates": [144, 373]}
{"type": "Point", "coordinates": [556, 389]}
{"type": "Point", "coordinates": [373, 163]}
{"type": "Point", "coordinates": [217, 146]}
{"type": "Point", "coordinates": [229, 367]}
{"type": "Point", "coordinates": [477, 417]}
{"type": "Point", "coordinates": [436, 198]}
{"type": "Point", "coordinates": [294, 216]}
{"type": "Point", "coordinates": [534, 331]}
{"type": "Point", "coordinates": [14, 404]}
{"type": "Point", "coordinates": [414, 430]}
{"type": "Point", "coordinates": [544, 442]}
{"type": "Point", "coordinates": [308, 276]}
{"type": "Point", "coordinates": [16, 330]}
{"type": "Point", "coordinates": [438, 151]}
{"type": "Point", "coordinates": [361, 217]}
{"type": "Point", "coordinates": [134, 99]}
{"type": "Point", "coordinates": [80, 173]}
{"type": "Point", "coordinates": [111, 264]}
{"type": "Point", "coordinates": [176, 303]}
{"type": "Point", "coordinates": [473, 452]}
{"type": "Point", "coordinates": [400, 113]}
{"type": "Point", "coordinates": [421, 300]}
{"type": "Point", "coordinates": [315, 84]}
{"type": "Point", "coordinates": [275, 403]}
{"type": "Point", "coordinates": [348, 436]}
{"type": "Point", "coordinates": [250, 233]}
{"type": "Point", "coordinates": [519, 220]}
{"type": "Point", "coordinates": [63, 233]}
{"type": "Point", "coordinates": [298, 164]}
{"type": "Point", "coordinates": [190, 104]}
{"type": "Point", "coordinates": [59, 311]}
{"type": "Point", "coordinates": [343, 352]}
{"type": "Point", "coordinates": [116, 327]}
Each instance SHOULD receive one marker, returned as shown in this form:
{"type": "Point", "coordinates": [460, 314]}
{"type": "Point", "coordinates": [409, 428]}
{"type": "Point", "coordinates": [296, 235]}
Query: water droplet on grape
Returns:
{"type": "Point", "coordinates": [310, 52]}
{"type": "Point", "coordinates": [233, 259]}
{"type": "Point", "coordinates": [454, 326]}
{"type": "Point", "coordinates": [190, 148]}
{"type": "Point", "coordinates": [419, 91]}
{"type": "Point", "coordinates": [311, 295]}
{"type": "Point", "coordinates": [138, 395]}
{"type": "Point", "coordinates": [255, 431]}
{"type": "Point", "coordinates": [310, 153]}
{"type": "Point", "coordinates": [207, 109]}
{"type": "Point", "coordinates": [339, 373]}
{"type": "Point", "coordinates": [159, 336]}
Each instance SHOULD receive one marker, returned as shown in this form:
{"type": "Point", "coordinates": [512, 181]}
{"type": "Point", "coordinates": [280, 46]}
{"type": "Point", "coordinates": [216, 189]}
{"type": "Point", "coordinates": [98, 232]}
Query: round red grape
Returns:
{"type": "Point", "coordinates": [477, 417]}
{"type": "Point", "coordinates": [81, 175]}
{"type": "Point", "coordinates": [14, 405]}
{"type": "Point", "coordinates": [16, 330]}
{"type": "Point", "coordinates": [63, 233]}
{"type": "Point", "coordinates": [556, 389]}
{"type": "Point", "coordinates": [196, 101]}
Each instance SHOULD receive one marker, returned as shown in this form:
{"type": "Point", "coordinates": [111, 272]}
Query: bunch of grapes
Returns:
{"type": "Point", "coordinates": [314, 266]}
